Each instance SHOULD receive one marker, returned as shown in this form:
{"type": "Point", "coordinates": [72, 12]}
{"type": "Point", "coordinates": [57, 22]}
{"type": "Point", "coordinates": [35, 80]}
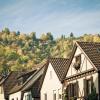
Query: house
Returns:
{"type": "Point", "coordinates": [15, 93]}
{"type": "Point", "coordinates": [31, 88]}
{"type": "Point", "coordinates": [51, 87]}
{"type": "Point", "coordinates": [6, 84]}
{"type": "Point", "coordinates": [83, 74]}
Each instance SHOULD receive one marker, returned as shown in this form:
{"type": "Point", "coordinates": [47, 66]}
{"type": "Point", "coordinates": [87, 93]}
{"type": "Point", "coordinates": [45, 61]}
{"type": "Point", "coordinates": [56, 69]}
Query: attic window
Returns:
{"type": "Point", "coordinates": [77, 62]}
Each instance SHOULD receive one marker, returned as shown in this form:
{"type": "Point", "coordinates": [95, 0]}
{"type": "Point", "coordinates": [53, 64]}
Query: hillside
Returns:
{"type": "Point", "coordinates": [24, 51]}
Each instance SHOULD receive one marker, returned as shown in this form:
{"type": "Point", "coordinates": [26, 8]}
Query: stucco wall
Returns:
{"type": "Point", "coordinates": [81, 83]}
{"type": "Point", "coordinates": [1, 93]}
{"type": "Point", "coordinates": [50, 85]}
{"type": "Point", "coordinates": [2, 97]}
{"type": "Point", "coordinates": [15, 96]}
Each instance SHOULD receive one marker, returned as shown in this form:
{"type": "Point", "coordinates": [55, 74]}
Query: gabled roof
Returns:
{"type": "Point", "coordinates": [34, 82]}
{"type": "Point", "coordinates": [9, 82]}
{"type": "Point", "coordinates": [35, 88]}
{"type": "Point", "coordinates": [18, 87]}
{"type": "Point", "coordinates": [92, 50]}
{"type": "Point", "coordinates": [29, 82]}
{"type": "Point", "coordinates": [60, 66]}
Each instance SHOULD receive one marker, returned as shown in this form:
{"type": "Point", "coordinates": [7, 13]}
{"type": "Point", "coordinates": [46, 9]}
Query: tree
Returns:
{"type": "Point", "coordinates": [33, 36]}
{"type": "Point", "coordinates": [18, 33]}
{"type": "Point", "coordinates": [71, 35]}
{"type": "Point", "coordinates": [49, 36]}
{"type": "Point", "coordinates": [6, 30]}
{"type": "Point", "coordinates": [44, 37]}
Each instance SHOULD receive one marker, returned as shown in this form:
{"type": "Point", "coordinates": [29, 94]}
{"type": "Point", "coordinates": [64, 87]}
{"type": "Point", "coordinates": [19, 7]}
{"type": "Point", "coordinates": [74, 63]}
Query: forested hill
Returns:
{"type": "Point", "coordinates": [24, 51]}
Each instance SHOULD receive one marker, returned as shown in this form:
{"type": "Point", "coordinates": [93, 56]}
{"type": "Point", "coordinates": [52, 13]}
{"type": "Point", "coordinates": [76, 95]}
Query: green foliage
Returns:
{"type": "Point", "coordinates": [21, 51]}
{"type": "Point", "coordinates": [6, 30]}
{"type": "Point", "coordinates": [12, 56]}
{"type": "Point", "coordinates": [93, 95]}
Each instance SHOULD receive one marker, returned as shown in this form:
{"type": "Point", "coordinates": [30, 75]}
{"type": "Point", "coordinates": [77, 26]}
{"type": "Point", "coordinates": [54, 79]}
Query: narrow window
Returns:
{"type": "Point", "coordinates": [77, 62]}
{"type": "Point", "coordinates": [54, 95]}
{"type": "Point", "coordinates": [88, 84]}
{"type": "Point", "coordinates": [45, 96]}
{"type": "Point", "coordinates": [50, 74]}
{"type": "Point", "coordinates": [17, 98]}
{"type": "Point", "coordinates": [59, 94]}
{"type": "Point", "coordinates": [78, 59]}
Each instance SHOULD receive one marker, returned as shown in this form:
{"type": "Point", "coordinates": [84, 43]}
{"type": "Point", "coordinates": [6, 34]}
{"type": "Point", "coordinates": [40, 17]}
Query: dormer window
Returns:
{"type": "Point", "coordinates": [77, 62]}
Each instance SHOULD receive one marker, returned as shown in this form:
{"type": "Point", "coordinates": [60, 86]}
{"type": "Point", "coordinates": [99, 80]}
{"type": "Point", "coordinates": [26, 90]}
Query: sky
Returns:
{"type": "Point", "coordinates": [55, 16]}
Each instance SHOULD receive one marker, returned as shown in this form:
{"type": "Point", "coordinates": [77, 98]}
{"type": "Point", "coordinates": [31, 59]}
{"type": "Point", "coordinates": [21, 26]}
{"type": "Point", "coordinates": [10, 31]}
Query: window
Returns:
{"type": "Point", "coordinates": [50, 74]}
{"type": "Point", "coordinates": [59, 94]}
{"type": "Point", "coordinates": [72, 90]}
{"type": "Point", "coordinates": [77, 62]}
{"type": "Point", "coordinates": [25, 97]}
{"type": "Point", "coordinates": [45, 96]}
{"type": "Point", "coordinates": [28, 97]}
{"type": "Point", "coordinates": [88, 84]}
{"type": "Point", "coordinates": [17, 98]}
{"type": "Point", "coordinates": [54, 96]}
{"type": "Point", "coordinates": [78, 59]}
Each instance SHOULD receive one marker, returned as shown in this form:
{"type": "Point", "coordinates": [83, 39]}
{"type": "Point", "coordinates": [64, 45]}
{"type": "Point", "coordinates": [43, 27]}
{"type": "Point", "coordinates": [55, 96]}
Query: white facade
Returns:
{"type": "Point", "coordinates": [15, 96]}
{"type": "Point", "coordinates": [51, 85]}
{"type": "Point", "coordinates": [1, 93]}
{"type": "Point", "coordinates": [85, 63]}
{"type": "Point", "coordinates": [85, 66]}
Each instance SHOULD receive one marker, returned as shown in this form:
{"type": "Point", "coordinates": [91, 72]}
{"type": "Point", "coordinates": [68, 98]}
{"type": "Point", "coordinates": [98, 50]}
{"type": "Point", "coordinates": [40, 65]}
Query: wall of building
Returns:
{"type": "Point", "coordinates": [14, 96]}
{"type": "Point", "coordinates": [1, 93]}
{"type": "Point", "coordinates": [51, 84]}
{"type": "Point", "coordinates": [85, 64]}
{"type": "Point", "coordinates": [81, 83]}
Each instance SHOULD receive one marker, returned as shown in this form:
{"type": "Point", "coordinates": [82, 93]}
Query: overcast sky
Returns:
{"type": "Point", "coordinates": [56, 16]}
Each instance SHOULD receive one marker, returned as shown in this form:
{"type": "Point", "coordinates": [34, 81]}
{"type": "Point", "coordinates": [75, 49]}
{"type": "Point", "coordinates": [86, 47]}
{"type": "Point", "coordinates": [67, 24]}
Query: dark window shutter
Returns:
{"type": "Point", "coordinates": [92, 85]}
{"type": "Point", "coordinates": [85, 87]}
{"type": "Point", "coordinates": [77, 89]}
{"type": "Point", "coordinates": [73, 91]}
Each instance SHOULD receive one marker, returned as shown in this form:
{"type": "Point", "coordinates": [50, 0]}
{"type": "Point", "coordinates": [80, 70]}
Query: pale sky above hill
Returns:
{"type": "Point", "coordinates": [56, 16]}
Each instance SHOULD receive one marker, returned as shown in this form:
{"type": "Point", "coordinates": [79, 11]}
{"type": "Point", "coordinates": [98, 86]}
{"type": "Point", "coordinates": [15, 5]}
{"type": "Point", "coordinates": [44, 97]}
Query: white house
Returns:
{"type": "Point", "coordinates": [31, 88]}
{"type": "Point", "coordinates": [83, 75]}
{"type": "Point", "coordinates": [51, 88]}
